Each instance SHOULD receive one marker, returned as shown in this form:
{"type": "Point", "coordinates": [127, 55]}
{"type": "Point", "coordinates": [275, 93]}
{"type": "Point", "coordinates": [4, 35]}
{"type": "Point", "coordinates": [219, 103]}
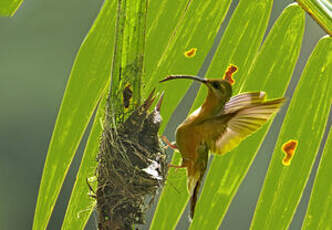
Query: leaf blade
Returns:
{"type": "Point", "coordinates": [224, 56]}
{"type": "Point", "coordinates": [90, 73]}
{"type": "Point", "coordinates": [9, 7]}
{"type": "Point", "coordinates": [240, 53]}
{"type": "Point", "coordinates": [312, 90]}
{"type": "Point", "coordinates": [318, 215]}
{"type": "Point", "coordinates": [191, 32]}
{"type": "Point", "coordinates": [80, 205]}
{"type": "Point", "coordinates": [320, 11]}
{"type": "Point", "coordinates": [227, 172]}
{"type": "Point", "coordinates": [126, 72]}
{"type": "Point", "coordinates": [188, 35]}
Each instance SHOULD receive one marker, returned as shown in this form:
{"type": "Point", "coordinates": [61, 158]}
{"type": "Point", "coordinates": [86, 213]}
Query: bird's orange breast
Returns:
{"type": "Point", "coordinates": [187, 140]}
{"type": "Point", "coordinates": [189, 137]}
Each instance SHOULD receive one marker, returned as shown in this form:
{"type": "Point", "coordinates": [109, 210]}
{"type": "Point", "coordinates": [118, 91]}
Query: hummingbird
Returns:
{"type": "Point", "coordinates": [218, 126]}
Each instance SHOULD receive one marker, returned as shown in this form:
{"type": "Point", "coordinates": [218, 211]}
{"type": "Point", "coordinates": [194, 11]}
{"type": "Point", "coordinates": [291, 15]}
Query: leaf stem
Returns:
{"type": "Point", "coordinates": [320, 11]}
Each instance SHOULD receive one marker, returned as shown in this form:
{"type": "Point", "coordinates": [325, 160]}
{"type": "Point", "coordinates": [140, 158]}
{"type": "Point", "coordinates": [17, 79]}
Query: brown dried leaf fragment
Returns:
{"type": "Point", "coordinates": [229, 73]}
{"type": "Point", "coordinates": [289, 150]}
{"type": "Point", "coordinates": [126, 96]}
{"type": "Point", "coordinates": [190, 53]}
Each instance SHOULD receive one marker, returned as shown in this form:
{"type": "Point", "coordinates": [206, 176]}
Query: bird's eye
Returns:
{"type": "Point", "coordinates": [216, 85]}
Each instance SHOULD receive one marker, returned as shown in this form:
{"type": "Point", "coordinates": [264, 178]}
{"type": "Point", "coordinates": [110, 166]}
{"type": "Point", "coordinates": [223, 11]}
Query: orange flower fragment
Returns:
{"type": "Point", "coordinates": [229, 73]}
{"type": "Point", "coordinates": [190, 53]}
{"type": "Point", "coordinates": [289, 149]}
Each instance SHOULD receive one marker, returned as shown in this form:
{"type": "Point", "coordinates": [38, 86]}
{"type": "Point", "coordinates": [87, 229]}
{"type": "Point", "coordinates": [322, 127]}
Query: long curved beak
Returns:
{"type": "Point", "coordinates": [195, 78]}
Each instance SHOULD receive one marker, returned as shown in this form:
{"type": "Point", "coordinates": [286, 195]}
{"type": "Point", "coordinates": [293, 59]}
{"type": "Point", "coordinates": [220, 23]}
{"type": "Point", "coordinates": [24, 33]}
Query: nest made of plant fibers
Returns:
{"type": "Point", "coordinates": [131, 168]}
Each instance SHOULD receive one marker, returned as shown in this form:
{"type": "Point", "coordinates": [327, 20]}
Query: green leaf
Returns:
{"type": "Point", "coordinates": [305, 122]}
{"type": "Point", "coordinates": [9, 7]}
{"type": "Point", "coordinates": [245, 33]}
{"type": "Point", "coordinates": [191, 32]}
{"type": "Point", "coordinates": [320, 11]}
{"type": "Point", "coordinates": [163, 20]}
{"type": "Point", "coordinates": [127, 71]}
{"type": "Point", "coordinates": [319, 213]}
{"type": "Point", "coordinates": [127, 66]}
{"type": "Point", "coordinates": [239, 45]}
{"type": "Point", "coordinates": [125, 45]}
{"type": "Point", "coordinates": [80, 205]}
{"type": "Point", "coordinates": [89, 76]}
{"type": "Point", "coordinates": [270, 72]}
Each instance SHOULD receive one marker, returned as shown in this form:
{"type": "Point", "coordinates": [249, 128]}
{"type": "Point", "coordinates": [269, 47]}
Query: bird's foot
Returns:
{"type": "Point", "coordinates": [176, 166]}
{"type": "Point", "coordinates": [168, 143]}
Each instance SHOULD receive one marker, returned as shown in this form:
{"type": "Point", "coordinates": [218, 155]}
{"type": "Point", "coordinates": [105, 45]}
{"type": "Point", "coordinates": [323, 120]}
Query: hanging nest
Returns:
{"type": "Point", "coordinates": [131, 168]}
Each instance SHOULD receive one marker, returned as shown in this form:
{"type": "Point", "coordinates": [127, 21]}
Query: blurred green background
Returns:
{"type": "Point", "coordinates": [37, 49]}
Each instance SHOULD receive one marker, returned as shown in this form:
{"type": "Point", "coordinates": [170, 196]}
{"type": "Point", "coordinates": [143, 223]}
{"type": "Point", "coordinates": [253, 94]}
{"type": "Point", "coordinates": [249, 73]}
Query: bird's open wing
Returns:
{"type": "Point", "coordinates": [243, 100]}
{"type": "Point", "coordinates": [245, 113]}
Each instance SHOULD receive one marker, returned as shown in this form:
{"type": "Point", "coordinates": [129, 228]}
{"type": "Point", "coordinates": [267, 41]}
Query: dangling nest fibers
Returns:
{"type": "Point", "coordinates": [131, 167]}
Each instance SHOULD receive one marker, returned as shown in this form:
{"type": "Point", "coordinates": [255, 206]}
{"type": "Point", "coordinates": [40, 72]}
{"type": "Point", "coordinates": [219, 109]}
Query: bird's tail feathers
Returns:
{"type": "Point", "coordinates": [193, 199]}
{"type": "Point", "coordinates": [194, 185]}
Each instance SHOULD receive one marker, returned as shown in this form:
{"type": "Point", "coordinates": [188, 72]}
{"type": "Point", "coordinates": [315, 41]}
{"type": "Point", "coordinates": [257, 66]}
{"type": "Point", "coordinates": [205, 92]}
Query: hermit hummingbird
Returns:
{"type": "Point", "coordinates": [218, 126]}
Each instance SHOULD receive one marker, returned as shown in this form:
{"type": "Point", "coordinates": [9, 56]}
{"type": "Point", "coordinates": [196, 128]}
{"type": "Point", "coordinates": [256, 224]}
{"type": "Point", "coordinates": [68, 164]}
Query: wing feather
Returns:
{"type": "Point", "coordinates": [243, 100]}
{"type": "Point", "coordinates": [246, 113]}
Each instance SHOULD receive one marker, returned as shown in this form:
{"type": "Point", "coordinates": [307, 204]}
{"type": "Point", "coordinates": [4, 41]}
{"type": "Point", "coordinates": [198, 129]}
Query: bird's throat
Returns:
{"type": "Point", "coordinates": [209, 108]}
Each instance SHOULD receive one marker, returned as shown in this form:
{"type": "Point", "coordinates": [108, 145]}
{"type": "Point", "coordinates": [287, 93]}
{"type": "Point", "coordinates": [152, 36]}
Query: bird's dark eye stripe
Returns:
{"type": "Point", "coordinates": [216, 85]}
